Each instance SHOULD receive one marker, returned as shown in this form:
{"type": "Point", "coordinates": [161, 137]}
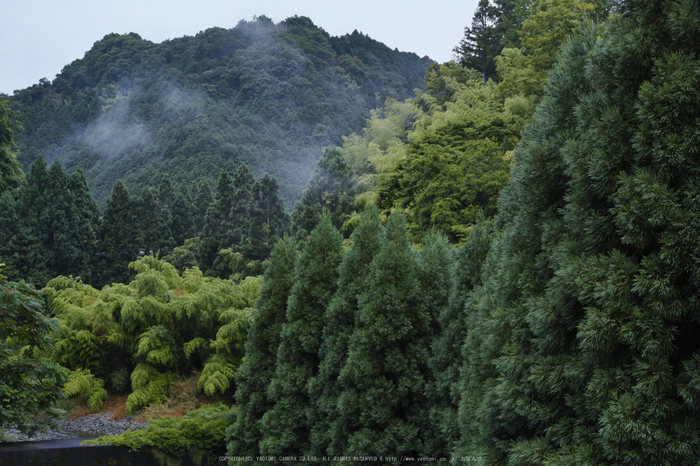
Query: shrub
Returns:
{"type": "Point", "coordinates": [82, 383]}
{"type": "Point", "coordinates": [202, 428]}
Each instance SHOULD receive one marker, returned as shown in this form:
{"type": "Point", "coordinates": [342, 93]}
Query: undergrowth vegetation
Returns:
{"type": "Point", "coordinates": [159, 328]}
{"type": "Point", "coordinates": [202, 428]}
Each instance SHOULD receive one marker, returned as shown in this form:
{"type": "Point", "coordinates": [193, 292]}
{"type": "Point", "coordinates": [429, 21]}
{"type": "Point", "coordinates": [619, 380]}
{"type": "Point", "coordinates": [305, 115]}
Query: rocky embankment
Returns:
{"type": "Point", "coordinates": [92, 425]}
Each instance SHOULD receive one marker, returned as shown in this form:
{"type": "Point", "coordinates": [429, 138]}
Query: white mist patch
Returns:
{"type": "Point", "coordinates": [179, 104]}
{"type": "Point", "coordinates": [116, 132]}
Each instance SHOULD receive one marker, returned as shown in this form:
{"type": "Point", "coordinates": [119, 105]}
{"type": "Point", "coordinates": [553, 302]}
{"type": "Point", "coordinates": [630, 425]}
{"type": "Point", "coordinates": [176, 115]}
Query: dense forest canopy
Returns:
{"type": "Point", "coordinates": [268, 95]}
{"type": "Point", "coordinates": [502, 268]}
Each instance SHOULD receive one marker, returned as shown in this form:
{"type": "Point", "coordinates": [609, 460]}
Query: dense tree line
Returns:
{"type": "Point", "coordinates": [542, 310]}
{"type": "Point", "coordinates": [50, 224]}
{"type": "Point", "coordinates": [563, 331]}
{"type": "Point", "coordinates": [264, 94]}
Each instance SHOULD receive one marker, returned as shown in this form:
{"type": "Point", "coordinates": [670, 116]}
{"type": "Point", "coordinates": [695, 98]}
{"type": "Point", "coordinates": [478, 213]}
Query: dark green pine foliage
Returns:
{"type": "Point", "coordinates": [154, 219]}
{"type": "Point", "coordinates": [481, 45]}
{"type": "Point", "coordinates": [494, 26]}
{"type": "Point", "coordinates": [166, 193]}
{"type": "Point", "coordinates": [85, 230]}
{"type": "Point", "coordinates": [243, 182]}
{"type": "Point", "coordinates": [118, 237]}
{"type": "Point", "coordinates": [383, 400]}
{"type": "Point", "coordinates": [434, 276]}
{"type": "Point", "coordinates": [258, 368]}
{"type": "Point", "coordinates": [329, 433]}
{"type": "Point", "coordinates": [445, 361]}
{"type": "Point", "coordinates": [267, 219]}
{"type": "Point", "coordinates": [60, 219]}
{"type": "Point", "coordinates": [215, 228]}
{"type": "Point", "coordinates": [287, 425]}
{"type": "Point", "coordinates": [183, 216]}
{"type": "Point", "coordinates": [202, 201]}
{"type": "Point", "coordinates": [30, 256]}
{"type": "Point", "coordinates": [511, 14]}
{"type": "Point", "coordinates": [49, 229]}
{"type": "Point", "coordinates": [583, 344]}
{"type": "Point", "coordinates": [331, 187]}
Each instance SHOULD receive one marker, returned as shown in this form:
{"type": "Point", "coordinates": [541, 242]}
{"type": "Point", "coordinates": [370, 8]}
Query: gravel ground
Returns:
{"type": "Point", "coordinates": [92, 425]}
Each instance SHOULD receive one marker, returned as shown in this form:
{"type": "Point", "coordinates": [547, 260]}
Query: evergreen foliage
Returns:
{"type": "Point", "coordinates": [435, 269]}
{"type": "Point", "coordinates": [267, 221]}
{"type": "Point", "coordinates": [580, 348]}
{"type": "Point", "coordinates": [202, 201]}
{"type": "Point", "coordinates": [494, 26]}
{"type": "Point", "coordinates": [118, 236]}
{"type": "Point", "coordinates": [480, 45]}
{"type": "Point", "coordinates": [84, 262]}
{"type": "Point", "coordinates": [243, 221]}
{"type": "Point", "coordinates": [331, 187]}
{"type": "Point", "coordinates": [286, 427]}
{"type": "Point", "coordinates": [217, 220]}
{"type": "Point", "coordinates": [329, 432]}
{"type": "Point", "coordinates": [240, 203]}
{"type": "Point", "coordinates": [258, 368]}
{"type": "Point", "coordinates": [153, 224]}
{"type": "Point", "coordinates": [562, 330]}
{"type": "Point", "coordinates": [29, 254]}
{"type": "Point", "coordinates": [384, 376]}
{"type": "Point", "coordinates": [48, 225]}
{"type": "Point", "coordinates": [201, 428]}
{"type": "Point", "coordinates": [184, 216]}
{"type": "Point", "coordinates": [453, 322]}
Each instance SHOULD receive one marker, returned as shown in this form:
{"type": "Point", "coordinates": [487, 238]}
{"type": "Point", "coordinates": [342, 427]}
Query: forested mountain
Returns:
{"type": "Point", "coordinates": [501, 269]}
{"type": "Point", "coordinates": [269, 95]}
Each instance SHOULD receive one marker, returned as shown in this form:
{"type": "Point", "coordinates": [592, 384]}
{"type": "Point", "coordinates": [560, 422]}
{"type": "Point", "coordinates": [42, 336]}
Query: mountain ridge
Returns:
{"type": "Point", "coordinates": [270, 95]}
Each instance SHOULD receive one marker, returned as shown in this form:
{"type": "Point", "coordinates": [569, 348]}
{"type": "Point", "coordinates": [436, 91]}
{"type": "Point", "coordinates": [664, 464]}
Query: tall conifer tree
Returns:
{"type": "Point", "coordinates": [267, 219]}
{"type": "Point", "coordinates": [287, 426]}
{"type": "Point", "coordinates": [434, 274]}
{"type": "Point", "coordinates": [166, 193]}
{"type": "Point", "coordinates": [582, 345]}
{"type": "Point", "coordinates": [446, 361]}
{"type": "Point", "coordinates": [202, 201]}
{"type": "Point", "coordinates": [183, 218]}
{"type": "Point", "coordinates": [262, 343]}
{"type": "Point", "coordinates": [329, 432]}
{"type": "Point", "coordinates": [86, 229]}
{"type": "Point", "coordinates": [330, 187]}
{"type": "Point", "coordinates": [118, 237]}
{"type": "Point", "coordinates": [11, 174]}
{"type": "Point", "coordinates": [388, 351]}
{"type": "Point", "coordinates": [153, 218]}
{"type": "Point", "coordinates": [243, 182]}
{"type": "Point", "coordinates": [8, 233]}
{"type": "Point", "coordinates": [495, 25]}
{"type": "Point", "coordinates": [480, 45]}
{"type": "Point", "coordinates": [216, 225]}
{"type": "Point", "coordinates": [31, 256]}
{"type": "Point", "coordinates": [60, 218]}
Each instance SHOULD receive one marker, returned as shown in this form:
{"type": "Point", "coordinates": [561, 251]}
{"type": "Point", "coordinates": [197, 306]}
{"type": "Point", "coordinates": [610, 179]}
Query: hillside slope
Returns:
{"type": "Point", "coordinates": [270, 95]}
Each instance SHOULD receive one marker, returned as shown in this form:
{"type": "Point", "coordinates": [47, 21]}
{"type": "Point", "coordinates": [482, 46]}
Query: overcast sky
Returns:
{"type": "Point", "coordinates": [38, 38]}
